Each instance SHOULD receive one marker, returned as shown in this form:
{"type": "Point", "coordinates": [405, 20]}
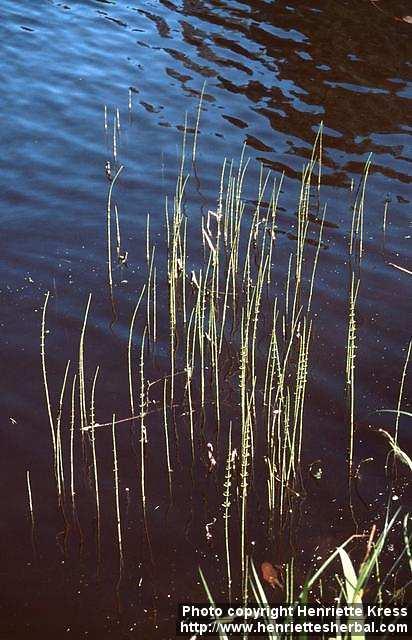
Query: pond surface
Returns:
{"type": "Point", "coordinates": [72, 74]}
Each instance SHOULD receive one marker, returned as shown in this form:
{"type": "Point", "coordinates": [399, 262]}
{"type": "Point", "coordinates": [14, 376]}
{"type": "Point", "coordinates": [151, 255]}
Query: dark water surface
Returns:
{"type": "Point", "coordinates": [273, 72]}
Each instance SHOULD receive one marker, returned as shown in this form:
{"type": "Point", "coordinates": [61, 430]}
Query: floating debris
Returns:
{"type": "Point", "coordinates": [273, 575]}
{"type": "Point", "coordinates": [212, 461]}
{"type": "Point", "coordinates": [207, 527]}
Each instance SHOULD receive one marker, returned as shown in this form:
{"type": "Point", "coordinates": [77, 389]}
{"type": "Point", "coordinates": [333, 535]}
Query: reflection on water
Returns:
{"type": "Point", "coordinates": [272, 72]}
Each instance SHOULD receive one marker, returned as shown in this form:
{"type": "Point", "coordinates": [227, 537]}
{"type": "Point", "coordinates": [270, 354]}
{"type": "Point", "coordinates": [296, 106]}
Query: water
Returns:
{"type": "Point", "coordinates": [273, 72]}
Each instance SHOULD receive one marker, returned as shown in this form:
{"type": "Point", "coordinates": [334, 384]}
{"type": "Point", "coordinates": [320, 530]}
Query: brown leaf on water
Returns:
{"type": "Point", "coordinates": [273, 575]}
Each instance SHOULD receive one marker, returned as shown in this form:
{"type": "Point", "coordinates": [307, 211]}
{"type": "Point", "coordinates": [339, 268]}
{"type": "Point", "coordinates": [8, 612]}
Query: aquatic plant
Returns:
{"type": "Point", "coordinates": [233, 365]}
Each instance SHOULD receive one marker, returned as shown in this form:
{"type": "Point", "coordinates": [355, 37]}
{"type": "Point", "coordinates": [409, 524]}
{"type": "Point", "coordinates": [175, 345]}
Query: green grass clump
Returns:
{"type": "Point", "coordinates": [232, 363]}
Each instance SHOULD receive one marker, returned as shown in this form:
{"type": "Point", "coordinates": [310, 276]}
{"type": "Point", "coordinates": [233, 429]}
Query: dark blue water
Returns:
{"type": "Point", "coordinates": [272, 72]}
